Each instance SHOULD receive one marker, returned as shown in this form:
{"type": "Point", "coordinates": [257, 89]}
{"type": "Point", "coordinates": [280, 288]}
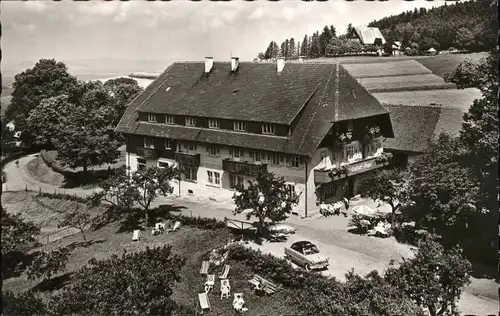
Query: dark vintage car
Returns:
{"type": "Point", "coordinates": [306, 254]}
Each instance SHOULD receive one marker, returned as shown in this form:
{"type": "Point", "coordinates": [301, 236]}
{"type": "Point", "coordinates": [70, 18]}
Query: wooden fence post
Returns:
{"type": "Point", "coordinates": [26, 187]}
{"type": "Point", "coordinates": [39, 190]}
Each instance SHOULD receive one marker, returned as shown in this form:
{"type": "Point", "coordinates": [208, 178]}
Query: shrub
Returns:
{"type": "Point", "coordinates": [133, 284]}
{"type": "Point", "coordinates": [22, 304]}
{"type": "Point", "coordinates": [50, 159]}
{"type": "Point", "coordinates": [198, 222]}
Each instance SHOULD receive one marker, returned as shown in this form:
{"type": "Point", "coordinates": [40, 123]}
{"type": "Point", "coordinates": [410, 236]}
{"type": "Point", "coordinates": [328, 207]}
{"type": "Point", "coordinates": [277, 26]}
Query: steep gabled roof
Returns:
{"type": "Point", "coordinates": [367, 35]}
{"type": "Point", "coordinates": [415, 126]}
{"type": "Point", "coordinates": [308, 96]}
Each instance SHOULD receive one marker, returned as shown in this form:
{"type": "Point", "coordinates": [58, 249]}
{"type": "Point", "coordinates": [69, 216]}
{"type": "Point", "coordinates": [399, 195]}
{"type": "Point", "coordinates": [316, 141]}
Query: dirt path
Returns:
{"type": "Point", "coordinates": [346, 250]}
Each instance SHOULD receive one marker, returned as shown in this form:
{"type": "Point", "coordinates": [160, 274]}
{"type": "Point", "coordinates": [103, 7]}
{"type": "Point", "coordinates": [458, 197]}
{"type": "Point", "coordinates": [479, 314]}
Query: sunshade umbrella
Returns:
{"type": "Point", "coordinates": [364, 210]}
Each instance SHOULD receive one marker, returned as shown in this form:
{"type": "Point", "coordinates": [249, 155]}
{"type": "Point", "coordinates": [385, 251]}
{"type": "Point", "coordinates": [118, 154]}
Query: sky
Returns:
{"type": "Point", "coordinates": [175, 30]}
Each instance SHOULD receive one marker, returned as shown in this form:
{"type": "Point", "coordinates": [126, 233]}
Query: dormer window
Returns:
{"type": "Point", "coordinates": [190, 121]}
{"type": "Point", "coordinates": [240, 126]}
{"type": "Point", "coordinates": [268, 129]}
{"type": "Point", "coordinates": [169, 119]}
{"type": "Point", "coordinates": [213, 123]}
{"type": "Point", "coordinates": [152, 118]}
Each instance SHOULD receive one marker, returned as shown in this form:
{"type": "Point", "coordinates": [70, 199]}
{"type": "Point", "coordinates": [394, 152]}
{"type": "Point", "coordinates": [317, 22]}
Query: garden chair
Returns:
{"type": "Point", "coordinates": [225, 272]}
{"type": "Point", "coordinates": [204, 267]}
{"type": "Point", "coordinates": [225, 288]}
{"type": "Point", "coordinates": [209, 284]}
{"type": "Point", "coordinates": [204, 302]}
{"type": "Point", "coordinates": [160, 226]}
{"type": "Point", "coordinates": [176, 226]}
{"type": "Point", "coordinates": [136, 235]}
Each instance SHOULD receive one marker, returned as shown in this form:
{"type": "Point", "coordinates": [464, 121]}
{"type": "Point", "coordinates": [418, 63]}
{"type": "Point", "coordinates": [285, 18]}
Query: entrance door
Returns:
{"type": "Point", "coordinates": [350, 187]}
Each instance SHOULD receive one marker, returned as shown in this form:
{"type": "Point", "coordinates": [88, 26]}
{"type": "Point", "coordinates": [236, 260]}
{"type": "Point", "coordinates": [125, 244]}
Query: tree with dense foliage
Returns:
{"type": "Point", "coordinates": [388, 186]}
{"type": "Point", "coordinates": [373, 295]}
{"type": "Point", "coordinates": [46, 264]}
{"type": "Point", "coordinates": [478, 17]}
{"type": "Point", "coordinates": [148, 184]}
{"type": "Point", "coordinates": [304, 46]}
{"type": "Point", "coordinates": [292, 52]}
{"type": "Point", "coordinates": [434, 278]}
{"type": "Point", "coordinates": [44, 120]}
{"type": "Point", "coordinates": [134, 284]}
{"type": "Point", "coordinates": [267, 197]}
{"type": "Point", "coordinates": [18, 235]}
{"type": "Point", "coordinates": [123, 90]}
{"type": "Point", "coordinates": [87, 138]}
{"type": "Point", "coordinates": [27, 303]}
{"type": "Point", "coordinates": [272, 51]}
{"type": "Point", "coordinates": [48, 78]}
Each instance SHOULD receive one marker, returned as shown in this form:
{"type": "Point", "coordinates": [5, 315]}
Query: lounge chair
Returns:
{"type": "Point", "coordinates": [136, 235]}
{"type": "Point", "coordinates": [204, 267]}
{"type": "Point", "coordinates": [176, 226]}
{"type": "Point", "coordinates": [225, 288]}
{"type": "Point", "coordinates": [225, 272]}
{"type": "Point", "coordinates": [209, 284]}
{"type": "Point", "coordinates": [204, 302]}
{"type": "Point", "coordinates": [160, 226]}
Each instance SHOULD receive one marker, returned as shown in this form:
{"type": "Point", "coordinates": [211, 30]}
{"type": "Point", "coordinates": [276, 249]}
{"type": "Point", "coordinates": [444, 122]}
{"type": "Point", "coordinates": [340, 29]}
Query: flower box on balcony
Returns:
{"type": "Point", "coordinates": [373, 132]}
{"type": "Point", "coordinates": [338, 171]}
{"type": "Point", "coordinates": [384, 158]}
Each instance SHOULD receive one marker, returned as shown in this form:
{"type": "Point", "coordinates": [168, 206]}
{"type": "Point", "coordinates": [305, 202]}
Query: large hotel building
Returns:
{"type": "Point", "coordinates": [222, 122]}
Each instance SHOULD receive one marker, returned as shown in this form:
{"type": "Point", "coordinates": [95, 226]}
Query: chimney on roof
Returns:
{"type": "Point", "coordinates": [209, 63]}
{"type": "Point", "coordinates": [280, 64]}
{"type": "Point", "coordinates": [234, 63]}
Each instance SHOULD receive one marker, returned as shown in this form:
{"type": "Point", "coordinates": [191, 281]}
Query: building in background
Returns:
{"type": "Point", "coordinates": [223, 122]}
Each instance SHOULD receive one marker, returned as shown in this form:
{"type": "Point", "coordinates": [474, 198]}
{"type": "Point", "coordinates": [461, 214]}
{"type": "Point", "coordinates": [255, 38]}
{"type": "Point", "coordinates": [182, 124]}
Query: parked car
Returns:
{"type": "Point", "coordinates": [306, 254]}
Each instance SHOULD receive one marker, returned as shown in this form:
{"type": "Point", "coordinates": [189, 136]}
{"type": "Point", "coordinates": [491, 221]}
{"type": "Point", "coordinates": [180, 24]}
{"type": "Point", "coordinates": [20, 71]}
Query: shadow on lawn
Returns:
{"type": "Point", "coordinates": [14, 264]}
{"type": "Point", "coordinates": [483, 271]}
{"type": "Point", "coordinates": [83, 244]}
{"type": "Point", "coordinates": [135, 219]}
{"type": "Point", "coordinates": [53, 284]}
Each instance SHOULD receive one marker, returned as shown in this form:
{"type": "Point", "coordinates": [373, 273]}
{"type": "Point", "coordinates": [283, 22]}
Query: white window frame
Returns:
{"type": "Point", "coordinates": [163, 162]}
{"type": "Point", "coordinates": [295, 161]}
{"type": "Point", "coordinates": [213, 123]}
{"type": "Point", "coordinates": [141, 163]}
{"type": "Point", "coordinates": [169, 119]}
{"type": "Point", "coordinates": [240, 126]}
{"type": "Point", "coordinates": [168, 144]}
{"type": "Point", "coordinates": [190, 121]}
{"type": "Point", "coordinates": [238, 153]}
{"type": "Point", "coordinates": [214, 178]}
{"type": "Point", "coordinates": [268, 129]}
{"type": "Point", "coordinates": [213, 150]}
{"type": "Point", "coordinates": [151, 118]}
{"type": "Point", "coordinates": [290, 189]}
{"type": "Point", "coordinates": [350, 152]}
{"type": "Point", "coordinates": [149, 145]}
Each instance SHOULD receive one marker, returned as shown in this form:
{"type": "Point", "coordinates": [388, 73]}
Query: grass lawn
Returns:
{"type": "Point", "coordinates": [441, 64]}
{"type": "Point", "coordinates": [190, 242]}
{"type": "Point", "coordinates": [395, 68]}
{"type": "Point", "coordinates": [461, 99]}
{"type": "Point", "coordinates": [404, 83]}
{"type": "Point", "coordinates": [39, 170]}
{"type": "Point", "coordinates": [121, 161]}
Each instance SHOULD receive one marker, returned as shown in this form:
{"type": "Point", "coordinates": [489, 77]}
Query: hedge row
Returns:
{"type": "Point", "coordinates": [198, 222]}
{"type": "Point", "coordinates": [51, 161]}
{"type": "Point", "coordinates": [62, 196]}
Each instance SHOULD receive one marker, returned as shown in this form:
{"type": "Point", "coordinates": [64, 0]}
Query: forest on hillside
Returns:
{"type": "Point", "coordinates": [467, 26]}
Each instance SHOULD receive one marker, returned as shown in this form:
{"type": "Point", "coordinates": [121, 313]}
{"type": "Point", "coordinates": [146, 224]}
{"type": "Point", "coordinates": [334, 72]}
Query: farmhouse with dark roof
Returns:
{"type": "Point", "coordinates": [222, 122]}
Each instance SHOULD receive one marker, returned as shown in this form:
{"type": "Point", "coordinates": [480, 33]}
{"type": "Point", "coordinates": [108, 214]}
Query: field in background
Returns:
{"type": "Point", "coordinates": [461, 99]}
{"type": "Point", "coordinates": [385, 69]}
{"type": "Point", "coordinates": [404, 83]}
{"type": "Point", "coordinates": [441, 64]}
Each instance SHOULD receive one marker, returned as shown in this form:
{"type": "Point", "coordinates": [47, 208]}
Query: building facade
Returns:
{"type": "Point", "coordinates": [222, 123]}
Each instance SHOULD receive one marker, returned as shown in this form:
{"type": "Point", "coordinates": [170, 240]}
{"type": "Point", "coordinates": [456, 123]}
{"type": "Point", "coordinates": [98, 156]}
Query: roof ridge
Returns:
{"type": "Point", "coordinates": [336, 66]}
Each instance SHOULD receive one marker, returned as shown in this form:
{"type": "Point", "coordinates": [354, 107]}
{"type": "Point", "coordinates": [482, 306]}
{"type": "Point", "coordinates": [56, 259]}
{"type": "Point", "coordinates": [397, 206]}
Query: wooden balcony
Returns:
{"type": "Point", "coordinates": [147, 153]}
{"type": "Point", "coordinates": [187, 159]}
{"type": "Point", "coordinates": [242, 167]}
{"type": "Point", "coordinates": [321, 176]}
